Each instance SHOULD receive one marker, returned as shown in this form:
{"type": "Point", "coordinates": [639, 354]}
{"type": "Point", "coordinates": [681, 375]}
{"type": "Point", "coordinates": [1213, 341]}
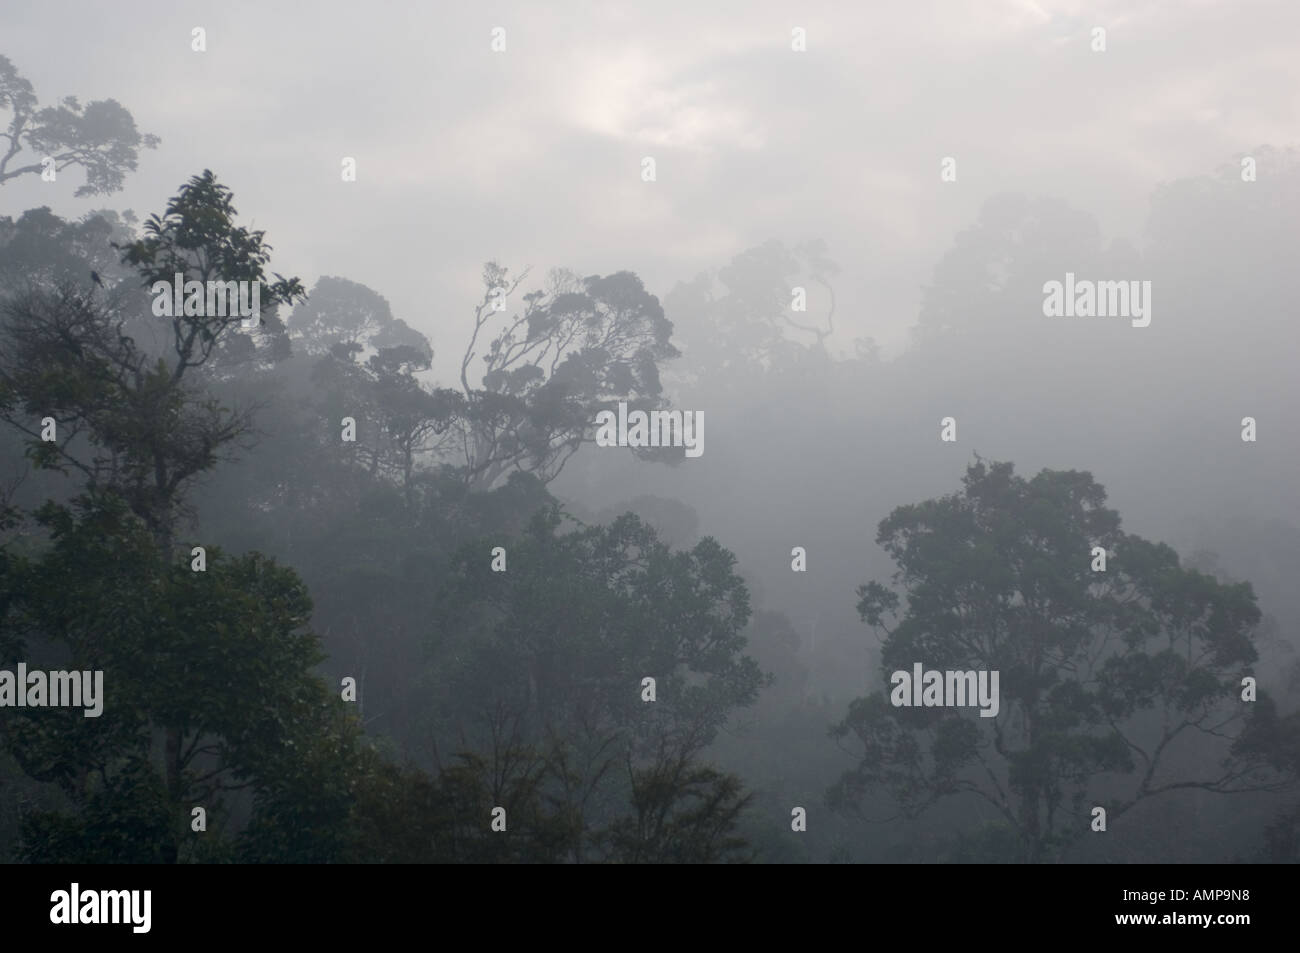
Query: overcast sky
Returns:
{"type": "Point", "coordinates": [533, 156]}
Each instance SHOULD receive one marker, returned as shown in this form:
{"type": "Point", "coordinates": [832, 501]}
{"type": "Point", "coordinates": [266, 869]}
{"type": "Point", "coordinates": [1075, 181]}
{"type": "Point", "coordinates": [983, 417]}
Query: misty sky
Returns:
{"type": "Point", "coordinates": [532, 156]}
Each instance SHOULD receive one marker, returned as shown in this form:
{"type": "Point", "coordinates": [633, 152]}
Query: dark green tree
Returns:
{"type": "Point", "coordinates": [213, 669]}
{"type": "Point", "coordinates": [197, 238]}
{"type": "Point", "coordinates": [129, 422]}
{"type": "Point", "coordinates": [550, 657]}
{"type": "Point", "coordinates": [137, 431]}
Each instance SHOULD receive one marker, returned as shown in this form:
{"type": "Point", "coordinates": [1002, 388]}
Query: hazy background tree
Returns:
{"type": "Point", "coordinates": [1115, 686]}
{"type": "Point", "coordinates": [99, 137]}
{"type": "Point", "coordinates": [578, 347]}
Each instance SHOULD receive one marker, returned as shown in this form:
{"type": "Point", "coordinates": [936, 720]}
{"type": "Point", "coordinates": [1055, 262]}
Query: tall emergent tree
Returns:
{"type": "Point", "coordinates": [579, 347]}
{"type": "Point", "coordinates": [1113, 684]}
{"type": "Point", "coordinates": [100, 137]}
{"type": "Point", "coordinates": [128, 421]}
{"type": "Point", "coordinates": [136, 431]}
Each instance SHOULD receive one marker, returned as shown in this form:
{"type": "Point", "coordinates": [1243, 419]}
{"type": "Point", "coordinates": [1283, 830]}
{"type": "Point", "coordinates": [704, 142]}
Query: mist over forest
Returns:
{"type": "Point", "coordinates": [630, 415]}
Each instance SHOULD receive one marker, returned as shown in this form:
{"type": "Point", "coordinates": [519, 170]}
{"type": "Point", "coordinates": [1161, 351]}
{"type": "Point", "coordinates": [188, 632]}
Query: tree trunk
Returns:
{"type": "Point", "coordinates": [164, 538]}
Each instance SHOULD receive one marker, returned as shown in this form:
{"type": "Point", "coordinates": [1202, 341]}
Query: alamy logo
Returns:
{"type": "Point", "coordinates": [935, 689]}
{"type": "Point", "coordinates": [103, 906]}
{"type": "Point", "coordinates": [52, 690]}
{"type": "Point", "coordinates": [216, 299]}
{"type": "Point", "coordinates": [1098, 299]}
{"type": "Point", "coordinates": [656, 428]}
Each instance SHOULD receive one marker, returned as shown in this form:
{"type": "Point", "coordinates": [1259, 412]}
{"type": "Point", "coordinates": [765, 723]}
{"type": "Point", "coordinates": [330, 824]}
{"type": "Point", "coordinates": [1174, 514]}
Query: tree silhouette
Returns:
{"type": "Point", "coordinates": [1113, 684]}
{"type": "Point", "coordinates": [100, 137]}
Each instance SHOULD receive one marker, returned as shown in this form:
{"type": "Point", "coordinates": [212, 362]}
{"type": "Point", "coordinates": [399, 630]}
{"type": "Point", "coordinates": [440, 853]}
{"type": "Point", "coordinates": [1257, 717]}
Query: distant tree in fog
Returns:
{"type": "Point", "coordinates": [1109, 680]}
